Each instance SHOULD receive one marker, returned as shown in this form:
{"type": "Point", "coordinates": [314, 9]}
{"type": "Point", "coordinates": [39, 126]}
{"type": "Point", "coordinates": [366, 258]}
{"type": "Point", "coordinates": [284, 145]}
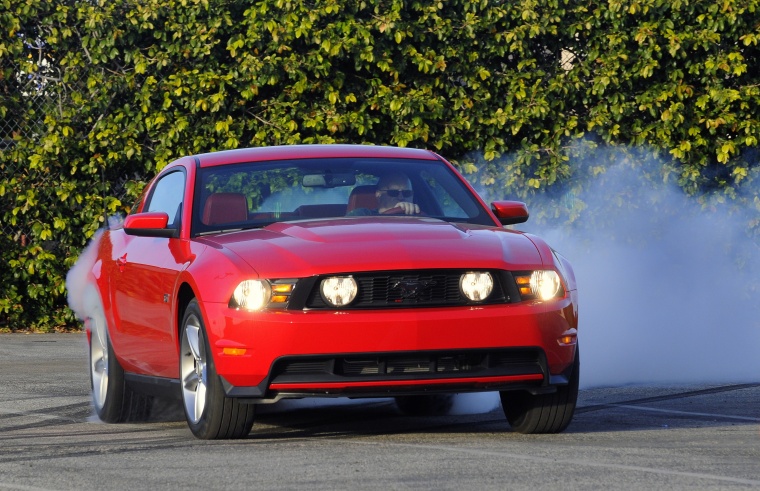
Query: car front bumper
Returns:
{"type": "Point", "coordinates": [264, 356]}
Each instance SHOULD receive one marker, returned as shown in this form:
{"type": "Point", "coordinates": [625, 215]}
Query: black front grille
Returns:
{"type": "Point", "coordinates": [300, 367]}
{"type": "Point", "coordinates": [400, 366]}
{"type": "Point", "coordinates": [408, 289]}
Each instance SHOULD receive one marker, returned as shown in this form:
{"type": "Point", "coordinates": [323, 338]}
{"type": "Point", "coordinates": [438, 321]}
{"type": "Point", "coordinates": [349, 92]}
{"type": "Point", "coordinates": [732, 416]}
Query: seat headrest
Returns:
{"type": "Point", "coordinates": [362, 197]}
{"type": "Point", "coordinates": [225, 208]}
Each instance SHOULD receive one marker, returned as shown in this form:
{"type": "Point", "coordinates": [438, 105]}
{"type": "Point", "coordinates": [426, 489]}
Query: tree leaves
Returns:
{"type": "Point", "coordinates": [507, 90]}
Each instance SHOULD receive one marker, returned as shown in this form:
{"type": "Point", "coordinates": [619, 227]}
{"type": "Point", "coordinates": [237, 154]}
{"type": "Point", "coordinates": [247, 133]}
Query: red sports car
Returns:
{"type": "Point", "coordinates": [246, 276]}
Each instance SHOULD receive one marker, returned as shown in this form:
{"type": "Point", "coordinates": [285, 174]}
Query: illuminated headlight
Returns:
{"type": "Point", "coordinates": [339, 290]}
{"type": "Point", "coordinates": [259, 294]}
{"type": "Point", "coordinates": [543, 284]}
{"type": "Point", "coordinates": [252, 295]}
{"type": "Point", "coordinates": [476, 286]}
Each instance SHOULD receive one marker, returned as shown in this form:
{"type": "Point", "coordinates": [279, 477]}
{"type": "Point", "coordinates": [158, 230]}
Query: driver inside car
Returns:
{"type": "Point", "coordinates": [394, 194]}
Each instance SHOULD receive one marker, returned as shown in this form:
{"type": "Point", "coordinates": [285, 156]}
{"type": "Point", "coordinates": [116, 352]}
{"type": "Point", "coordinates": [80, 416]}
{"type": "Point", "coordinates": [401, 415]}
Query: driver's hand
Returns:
{"type": "Point", "coordinates": [408, 208]}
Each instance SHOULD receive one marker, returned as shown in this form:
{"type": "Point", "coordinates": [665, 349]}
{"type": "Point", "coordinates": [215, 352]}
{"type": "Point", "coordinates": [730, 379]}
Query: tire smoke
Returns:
{"type": "Point", "coordinates": [77, 277]}
{"type": "Point", "coordinates": [668, 284]}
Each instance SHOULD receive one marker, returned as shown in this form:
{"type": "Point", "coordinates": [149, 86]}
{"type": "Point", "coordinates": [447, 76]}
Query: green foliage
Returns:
{"type": "Point", "coordinates": [507, 89]}
{"type": "Point", "coordinates": [678, 76]}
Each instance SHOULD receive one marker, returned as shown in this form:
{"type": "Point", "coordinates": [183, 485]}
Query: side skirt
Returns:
{"type": "Point", "coordinates": [167, 388]}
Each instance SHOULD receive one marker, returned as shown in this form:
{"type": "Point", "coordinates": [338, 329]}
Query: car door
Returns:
{"type": "Point", "coordinates": [143, 286]}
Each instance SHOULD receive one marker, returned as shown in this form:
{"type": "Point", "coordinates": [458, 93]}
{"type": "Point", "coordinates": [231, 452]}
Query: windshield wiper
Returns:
{"type": "Point", "coordinates": [221, 231]}
{"type": "Point", "coordinates": [236, 229]}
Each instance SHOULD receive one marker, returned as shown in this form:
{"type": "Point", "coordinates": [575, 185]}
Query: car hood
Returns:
{"type": "Point", "coordinates": [355, 244]}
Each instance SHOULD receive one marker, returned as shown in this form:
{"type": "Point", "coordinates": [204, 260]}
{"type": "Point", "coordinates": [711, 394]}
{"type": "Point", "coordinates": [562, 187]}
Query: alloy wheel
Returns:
{"type": "Point", "coordinates": [99, 360]}
{"type": "Point", "coordinates": [194, 370]}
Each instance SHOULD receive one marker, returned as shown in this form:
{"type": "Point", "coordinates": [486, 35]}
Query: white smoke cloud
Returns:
{"type": "Point", "coordinates": [77, 277]}
{"type": "Point", "coordinates": [667, 285]}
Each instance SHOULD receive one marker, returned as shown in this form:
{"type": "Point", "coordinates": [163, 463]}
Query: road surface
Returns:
{"type": "Point", "coordinates": [693, 437]}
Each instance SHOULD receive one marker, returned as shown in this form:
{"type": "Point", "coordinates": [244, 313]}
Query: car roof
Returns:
{"type": "Point", "coordinates": [288, 152]}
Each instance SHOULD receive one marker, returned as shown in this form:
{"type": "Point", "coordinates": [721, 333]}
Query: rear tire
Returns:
{"type": "Point", "coordinates": [543, 413]}
{"type": "Point", "coordinates": [209, 412]}
{"type": "Point", "coordinates": [114, 400]}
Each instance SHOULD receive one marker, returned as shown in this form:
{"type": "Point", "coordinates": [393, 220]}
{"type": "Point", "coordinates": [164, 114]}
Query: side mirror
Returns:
{"type": "Point", "coordinates": [510, 212]}
{"type": "Point", "coordinates": [150, 224]}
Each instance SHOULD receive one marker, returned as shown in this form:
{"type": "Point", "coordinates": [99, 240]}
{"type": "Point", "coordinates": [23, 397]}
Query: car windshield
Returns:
{"type": "Point", "coordinates": [251, 195]}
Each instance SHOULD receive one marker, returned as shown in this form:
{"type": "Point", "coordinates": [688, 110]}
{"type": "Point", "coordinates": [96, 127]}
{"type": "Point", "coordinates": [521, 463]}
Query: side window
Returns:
{"type": "Point", "coordinates": [167, 196]}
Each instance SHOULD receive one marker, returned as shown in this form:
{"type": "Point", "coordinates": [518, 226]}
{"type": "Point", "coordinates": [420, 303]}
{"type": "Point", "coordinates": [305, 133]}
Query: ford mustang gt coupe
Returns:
{"type": "Point", "coordinates": [247, 276]}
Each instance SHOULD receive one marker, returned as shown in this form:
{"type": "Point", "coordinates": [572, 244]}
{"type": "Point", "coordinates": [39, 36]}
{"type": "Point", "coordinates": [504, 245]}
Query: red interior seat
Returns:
{"type": "Point", "coordinates": [362, 197]}
{"type": "Point", "coordinates": [225, 208]}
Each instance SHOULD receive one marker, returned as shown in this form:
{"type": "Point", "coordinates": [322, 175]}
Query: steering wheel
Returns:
{"type": "Point", "coordinates": [397, 210]}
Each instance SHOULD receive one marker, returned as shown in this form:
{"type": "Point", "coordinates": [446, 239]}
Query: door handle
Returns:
{"type": "Point", "coordinates": [121, 262]}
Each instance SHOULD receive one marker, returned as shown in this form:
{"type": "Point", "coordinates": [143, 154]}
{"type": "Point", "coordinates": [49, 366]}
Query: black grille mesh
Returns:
{"type": "Point", "coordinates": [516, 361]}
{"type": "Point", "coordinates": [408, 289]}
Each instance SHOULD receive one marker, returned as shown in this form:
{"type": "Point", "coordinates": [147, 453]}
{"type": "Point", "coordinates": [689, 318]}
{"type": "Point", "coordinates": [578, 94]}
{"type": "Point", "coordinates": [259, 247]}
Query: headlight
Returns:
{"type": "Point", "coordinates": [543, 284]}
{"type": "Point", "coordinates": [476, 286]}
{"type": "Point", "coordinates": [252, 295]}
{"type": "Point", "coordinates": [339, 290]}
{"type": "Point", "coordinates": [260, 294]}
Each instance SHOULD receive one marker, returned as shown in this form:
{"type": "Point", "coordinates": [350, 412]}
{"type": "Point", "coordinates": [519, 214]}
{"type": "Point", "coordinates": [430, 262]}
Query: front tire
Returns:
{"type": "Point", "coordinates": [114, 400]}
{"type": "Point", "coordinates": [209, 412]}
{"type": "Point", "coordinates": [543, 413]}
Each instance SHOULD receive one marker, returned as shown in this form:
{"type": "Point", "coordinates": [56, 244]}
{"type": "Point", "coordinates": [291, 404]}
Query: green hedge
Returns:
{"type": "Point", "coordinates": [514, 92]}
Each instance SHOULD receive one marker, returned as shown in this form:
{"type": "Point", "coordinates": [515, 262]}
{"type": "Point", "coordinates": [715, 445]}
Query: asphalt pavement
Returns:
{"type": "Point", "coordinates": [636, 437]}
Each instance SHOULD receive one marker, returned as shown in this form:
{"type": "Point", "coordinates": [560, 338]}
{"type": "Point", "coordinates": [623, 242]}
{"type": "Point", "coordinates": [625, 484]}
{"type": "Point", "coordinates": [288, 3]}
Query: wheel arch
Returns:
{"type": "Point", "coordinates": [185, 294]}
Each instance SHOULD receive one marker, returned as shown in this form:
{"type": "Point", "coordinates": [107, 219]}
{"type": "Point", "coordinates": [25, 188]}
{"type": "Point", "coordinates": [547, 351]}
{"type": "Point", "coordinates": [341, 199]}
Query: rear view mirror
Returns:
{"type": "Point", "coordinates": [328, 180]}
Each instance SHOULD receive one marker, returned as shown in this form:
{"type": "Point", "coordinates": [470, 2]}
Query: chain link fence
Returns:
{"type": "Point", "coordinates": [31, 89]}
{"type": "Point", "coordinates": [25, 101]}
